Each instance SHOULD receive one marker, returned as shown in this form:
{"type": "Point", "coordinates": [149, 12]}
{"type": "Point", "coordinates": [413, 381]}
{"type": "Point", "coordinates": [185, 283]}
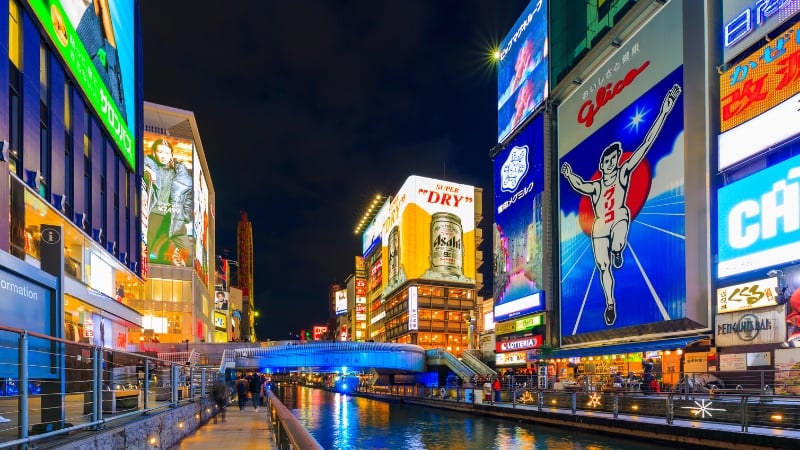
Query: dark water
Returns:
{"type": "Point", "coordinates": [340, 421]}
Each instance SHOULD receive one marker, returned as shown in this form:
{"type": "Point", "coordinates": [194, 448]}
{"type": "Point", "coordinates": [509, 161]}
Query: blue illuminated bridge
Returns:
{"type": "Point", "coordinates": [333, 356]}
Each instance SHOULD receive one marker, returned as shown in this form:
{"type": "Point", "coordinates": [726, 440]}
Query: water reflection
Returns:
{"type": "Point", "coordinates": [341, 421]}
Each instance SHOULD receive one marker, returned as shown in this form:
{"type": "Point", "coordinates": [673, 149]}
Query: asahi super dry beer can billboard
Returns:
{"type": "Point", "coordinates": [429, 233]}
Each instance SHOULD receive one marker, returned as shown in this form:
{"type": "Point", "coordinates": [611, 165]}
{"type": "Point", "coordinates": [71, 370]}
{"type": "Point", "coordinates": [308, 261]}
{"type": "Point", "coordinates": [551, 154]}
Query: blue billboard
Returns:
{"type": "Point", "coordinates": [522, 72]}
{"type": "Point", "coordinates": [622, 222]}
{"type": "Point", "coordinates": [518, 186]}
{"type": "Point", "coordinates": [758, 220]}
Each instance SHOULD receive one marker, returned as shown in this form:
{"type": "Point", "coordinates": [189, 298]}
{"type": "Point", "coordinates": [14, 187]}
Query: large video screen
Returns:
{"type": "Point", "coordinates": [168, 200]}
{"type": "Point", "coordinates": [758, 220]}
{"type": "Point", "coordinates": [96, 40]}
{"type": "Point", "coordinates": [200, 229]}
{"type": "Point", "coordinates": [429, 233]}
{"type": "Point", "coordinates": [522, 73]}
{"type": "Point", "coordinates": [518, 187]}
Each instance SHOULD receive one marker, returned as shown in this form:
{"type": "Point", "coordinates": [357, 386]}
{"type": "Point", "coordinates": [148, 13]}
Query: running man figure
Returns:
{"type": "Point", "coordinates": [608, 195]}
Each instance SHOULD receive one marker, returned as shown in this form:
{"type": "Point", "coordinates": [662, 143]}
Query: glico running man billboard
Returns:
{"type": "Point", "coordinates": [522, 72]}
{"type": "Point", "coordinates": [518, 185]}
{"type": "Point", "coordinates": [167, 200]}
{"type": "Point", "coordinates": [621, 187]}
{"type": "Point", "coordinates": [429, 233]}
{"type": "Point", "coordinates": [96, 40]}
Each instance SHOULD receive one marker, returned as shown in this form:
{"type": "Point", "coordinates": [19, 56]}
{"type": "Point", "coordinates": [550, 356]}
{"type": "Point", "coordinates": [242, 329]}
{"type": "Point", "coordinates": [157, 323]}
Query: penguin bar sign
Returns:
{"type": "Point", "coordinates": [765, 326]}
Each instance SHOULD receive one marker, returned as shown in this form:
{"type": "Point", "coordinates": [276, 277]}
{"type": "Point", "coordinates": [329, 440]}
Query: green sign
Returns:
{"type": "Point", "coordinates": [62, 32]}
{"type": "Point", "coordinates": [526, 323]}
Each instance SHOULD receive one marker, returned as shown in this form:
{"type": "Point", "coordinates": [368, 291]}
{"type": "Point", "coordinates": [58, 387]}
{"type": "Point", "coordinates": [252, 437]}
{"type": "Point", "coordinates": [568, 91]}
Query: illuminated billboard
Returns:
{"type": "Point", "coordinates": [429, 233]}
{"type": "Point", "coordinates": [96, 40]}
{"type": "Point", "coordinates": [522, 72]}
{"type": "Point", "coordinates": [758, 220]}
{"type": "Point", "coordinates": [167, 200]}
{"type": "Point", "coordinates": [341, 301]}
{"type": "Point", "coordinates": [621, 187]}
{"type": "Point", "coordinates": [758, 100]}
{"type": "Point", "coordinates": [200, 227]}
{"type": "Point", "coordinates": [221, 300]}
{"type": "Point", "coordinates": [745, 22]}
{"type": "Point", "coordinates": [518, 187]}
{"type": "Point", "coordinates": [372, 233]}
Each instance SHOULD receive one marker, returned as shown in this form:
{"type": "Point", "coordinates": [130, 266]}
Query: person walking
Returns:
{"type": "Point", "coordinates": [255, 390]}
{"type": "Point", "coordinates": [241, 391]}
{"type": "Point", "coordinates": [220, 394]}
{"type": "Point", "coordinates": [496, 387]}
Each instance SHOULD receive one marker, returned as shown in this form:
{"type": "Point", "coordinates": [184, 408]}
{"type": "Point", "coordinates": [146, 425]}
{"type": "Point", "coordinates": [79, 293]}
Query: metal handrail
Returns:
{"type": "Point", "coordinates": [288, 431]}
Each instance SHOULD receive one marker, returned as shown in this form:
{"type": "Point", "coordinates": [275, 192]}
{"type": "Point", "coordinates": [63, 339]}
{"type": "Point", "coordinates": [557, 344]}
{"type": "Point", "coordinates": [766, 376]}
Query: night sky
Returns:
{"type": "Point", "coordinates": [308, 109]}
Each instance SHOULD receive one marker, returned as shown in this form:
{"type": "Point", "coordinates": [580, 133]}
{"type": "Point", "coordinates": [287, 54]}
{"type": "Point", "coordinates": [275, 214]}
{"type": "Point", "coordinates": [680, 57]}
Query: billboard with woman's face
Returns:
{"type": "Point", "coordinates": [168, 200]}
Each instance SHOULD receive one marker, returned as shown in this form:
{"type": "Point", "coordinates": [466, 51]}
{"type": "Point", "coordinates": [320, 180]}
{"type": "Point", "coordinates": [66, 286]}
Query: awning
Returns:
{"type": "Point", "coordinates": [630, 347]}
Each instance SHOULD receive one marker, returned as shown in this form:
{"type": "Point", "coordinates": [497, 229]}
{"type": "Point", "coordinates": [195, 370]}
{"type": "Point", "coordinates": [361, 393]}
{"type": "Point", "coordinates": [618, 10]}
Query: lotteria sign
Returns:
{"type": "Point", "coordinates": [519, 344]}
{"type": "Point", "coordinates": [758, 220]}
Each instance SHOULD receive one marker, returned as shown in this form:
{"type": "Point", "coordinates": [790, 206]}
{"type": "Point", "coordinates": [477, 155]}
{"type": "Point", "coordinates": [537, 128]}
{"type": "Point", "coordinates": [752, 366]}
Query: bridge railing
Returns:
{"type": "Point", "coordinates": [742, 408]}
{"type": "Point", "coordinates": [50, 387]}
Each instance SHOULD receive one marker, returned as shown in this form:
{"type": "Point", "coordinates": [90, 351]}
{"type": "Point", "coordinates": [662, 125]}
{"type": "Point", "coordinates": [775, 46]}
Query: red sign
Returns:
{"type": "Point", "coordinates": [605, 94]}
{"type": "Point", "coordinates": [519, 344]}
{"type": "Point", "coordinates": [319, 332]}
{"type": "Point", "coordinates": [361, 287]}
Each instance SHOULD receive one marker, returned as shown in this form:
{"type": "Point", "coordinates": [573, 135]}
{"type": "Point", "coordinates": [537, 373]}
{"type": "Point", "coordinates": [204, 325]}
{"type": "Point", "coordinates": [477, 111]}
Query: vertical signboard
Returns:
{"type": "Point", "coordinates": [200, 226]}
{"type": "Point", "coordinates": [620, 144]}
{"type": "Point", "coordinates": [429, 233]}
{"type": "Point", "coordinates": [413, 312]}
{"type": "Point", "coordinates": [518, 187]}
{"type": "Point", "coordinates": [167, 200]}
{"type": "Point", "coordinates": [96, 40]}
{"type": "Point", "coordinates": [522, 72]}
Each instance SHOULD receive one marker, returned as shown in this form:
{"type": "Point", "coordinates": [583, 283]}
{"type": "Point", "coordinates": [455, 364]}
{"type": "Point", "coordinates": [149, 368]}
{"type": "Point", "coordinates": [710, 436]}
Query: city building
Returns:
{"type": "Point", "coordinates": [178, 231]}
{"type": "Point", "coordinates": [69, 230]}
{"type": "Point", "coordinates": [244, 240]}
{"type": "Point", "coordinates": [427, 236]}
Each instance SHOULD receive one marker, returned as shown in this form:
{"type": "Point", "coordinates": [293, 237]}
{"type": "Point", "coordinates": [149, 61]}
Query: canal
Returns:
{"type": "Point", "coordinates": [340, 421]}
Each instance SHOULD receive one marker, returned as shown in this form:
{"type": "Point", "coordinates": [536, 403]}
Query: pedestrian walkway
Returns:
{"type": "Point", "coordinates": [244, 430]}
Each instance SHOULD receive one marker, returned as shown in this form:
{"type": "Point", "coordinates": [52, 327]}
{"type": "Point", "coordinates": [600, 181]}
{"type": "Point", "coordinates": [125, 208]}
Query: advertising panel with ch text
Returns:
{"type": "Point", "coordinates": [429, 233]}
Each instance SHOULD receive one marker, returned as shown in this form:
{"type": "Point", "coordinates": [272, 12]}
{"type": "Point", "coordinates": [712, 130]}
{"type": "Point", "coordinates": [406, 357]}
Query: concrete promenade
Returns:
{"type": "Point", "coordinates": [244, 430]}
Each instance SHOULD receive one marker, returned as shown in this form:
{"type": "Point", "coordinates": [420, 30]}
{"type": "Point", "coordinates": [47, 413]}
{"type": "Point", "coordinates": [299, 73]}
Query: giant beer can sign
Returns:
{"type": "Point", "coordinates": [447, 252]}
{"type": "Point", "coordinates": [429, 234]}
